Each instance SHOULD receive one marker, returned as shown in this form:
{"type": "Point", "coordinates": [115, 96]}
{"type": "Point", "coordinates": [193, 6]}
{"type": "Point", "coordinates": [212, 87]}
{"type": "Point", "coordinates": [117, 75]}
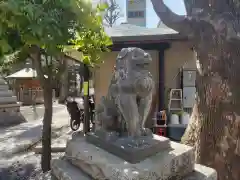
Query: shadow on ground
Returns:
{"type": "Point", "coordinates": [18, 171]}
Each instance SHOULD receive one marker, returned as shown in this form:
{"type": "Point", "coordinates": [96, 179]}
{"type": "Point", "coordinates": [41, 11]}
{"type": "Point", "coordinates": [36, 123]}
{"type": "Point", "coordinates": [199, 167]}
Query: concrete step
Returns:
{"type": "Point", "coordinates": [7, 93]}
{"type": "Point", "coordinates": [15, 105]}
{"type": "Point", "coordinates": [99, 164]}
{"type": "Point", "coordinates": [4, 87]}
{"type": "Point", "coordinates": [8, 100]}
{"type": "Point", "coordinates": [202, 173]}
{"type": "Point", "coordinates": [2, 81]}
{"type": "Point", "coordinates": [64, 170]}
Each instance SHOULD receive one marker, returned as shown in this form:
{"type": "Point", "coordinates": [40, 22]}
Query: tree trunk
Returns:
{"type": "Point", "coordinates": [214, 129]}
{"type": "Point", "coordinates": [46, 83]}
{"type": "Point", "coordinates": [64, 82]}
{"type": "Point", "coordinates": [46, 132]}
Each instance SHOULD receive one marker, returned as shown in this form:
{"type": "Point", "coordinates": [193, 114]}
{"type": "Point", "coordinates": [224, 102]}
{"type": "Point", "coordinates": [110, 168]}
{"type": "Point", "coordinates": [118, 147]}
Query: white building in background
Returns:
{"type": "Point", "coordinates": [136, 12]}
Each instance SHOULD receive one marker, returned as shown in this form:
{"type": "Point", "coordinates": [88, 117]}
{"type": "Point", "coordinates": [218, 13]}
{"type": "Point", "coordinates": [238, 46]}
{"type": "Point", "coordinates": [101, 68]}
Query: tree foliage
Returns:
{"type": "Point", "coordinates": [51, 25]}
{"type": "Point", "coordinates": [46, 28]}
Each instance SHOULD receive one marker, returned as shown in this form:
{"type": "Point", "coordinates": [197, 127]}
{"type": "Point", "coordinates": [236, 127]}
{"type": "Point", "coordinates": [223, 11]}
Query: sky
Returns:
{"type": "Point", "coordinates": [176, 6]}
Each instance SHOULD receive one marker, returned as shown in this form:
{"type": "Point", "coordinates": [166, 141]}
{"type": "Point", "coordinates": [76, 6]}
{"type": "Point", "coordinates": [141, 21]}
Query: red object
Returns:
{"type": "Point", "coordinates": [161, 131]}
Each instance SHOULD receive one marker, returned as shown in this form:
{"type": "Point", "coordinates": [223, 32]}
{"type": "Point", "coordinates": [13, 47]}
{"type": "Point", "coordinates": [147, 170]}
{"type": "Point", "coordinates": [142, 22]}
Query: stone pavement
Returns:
{"type": "Point", "coordinates": [32, 113]}
{"type": "Point", "coordinates": [19, 138]}
{"type": "Point", "coordinates": [59, 144]}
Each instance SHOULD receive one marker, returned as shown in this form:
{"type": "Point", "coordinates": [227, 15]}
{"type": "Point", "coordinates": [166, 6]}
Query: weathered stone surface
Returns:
{"type": "Point", "coordinates": [202, 173]}
{"type": "Point", "coordinates": [11, 116]}
{"type": "Point", "coordinates": [122, 113]}
{"type": "Point", "coordinates": [9, 107]}
{"type": "Point", "coordinates": [127, 104]}
{"type": "Point", "coordinates": [127, 148]}
{"type": "Point", "coordinates": [6, 93]}
{"type": "Point", "coordinates": [3, 87]}
{"type": "Point", "coordinates": [63, 170]}
{"type": "Point", "coordinates": [8, 100]}
{"type": "Point", "coordinates": [100, 164]}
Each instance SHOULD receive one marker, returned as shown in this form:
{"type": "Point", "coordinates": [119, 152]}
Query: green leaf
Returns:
{"type": "Point", "coordinates": [108, 42]}
{"type": "Point", "coordinates": [55, 26]}
{"type": "Point", "coordinates": [102, 6]}
{"type": "Point", "coordinates": [5, 47]}
{"type": "Point", "coordinates": [86, 60]}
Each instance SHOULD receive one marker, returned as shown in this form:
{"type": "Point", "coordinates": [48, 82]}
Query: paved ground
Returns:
{"type": "Point", "coordinates": [17, 161]}
{"type": "Point", "coordinates": [26, 166]}
{"type": "Point", "coordinates": [35, 113]}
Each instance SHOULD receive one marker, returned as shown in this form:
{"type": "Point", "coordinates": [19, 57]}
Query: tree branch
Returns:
{"type": "Point", "coordinates": [179, 23]}
{"type": "Point", "coordinates": [116, 16]}
{"type": "Point", "coordinates": [35, 54]}
{"type": "Point", "coordinates": [107, 18]}
{"type": "Point", "coordinates": [111, 12]}
{"type": "Point", "coordinates": [223, 16]}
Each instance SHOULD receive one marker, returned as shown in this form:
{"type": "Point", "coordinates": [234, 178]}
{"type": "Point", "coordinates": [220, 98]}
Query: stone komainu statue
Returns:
{"type": "Point", "coordinates": [126, 106]}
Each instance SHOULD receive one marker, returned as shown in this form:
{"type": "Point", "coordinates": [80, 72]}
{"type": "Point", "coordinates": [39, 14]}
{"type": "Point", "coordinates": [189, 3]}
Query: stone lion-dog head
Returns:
{"type": "Point", "coordinates": [133, 64]}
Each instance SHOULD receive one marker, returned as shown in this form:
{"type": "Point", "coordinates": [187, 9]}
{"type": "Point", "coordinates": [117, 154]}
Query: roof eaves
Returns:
{"type": "Point", "coordinates": [165, 37]}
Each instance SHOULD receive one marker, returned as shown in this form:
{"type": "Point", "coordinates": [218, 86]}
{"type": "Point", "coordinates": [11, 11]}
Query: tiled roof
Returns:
{"type": "Point", "coordinates": [125, 30]}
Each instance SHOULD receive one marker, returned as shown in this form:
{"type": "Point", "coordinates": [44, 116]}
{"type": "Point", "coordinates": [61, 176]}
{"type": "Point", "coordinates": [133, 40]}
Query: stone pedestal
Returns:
{"type": "Point", "coordinates": [129, 149]}
{"type": "Point", "coordinates": [9, 107]}
{"type": "Point", "coordinates": [84, 160]}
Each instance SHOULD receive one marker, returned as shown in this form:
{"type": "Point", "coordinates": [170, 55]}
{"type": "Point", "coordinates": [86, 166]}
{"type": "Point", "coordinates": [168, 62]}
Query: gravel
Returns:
{"type": "Point", "coordinates": [23, 167]}
{"type": "Point", "coordinates": [27, 165]}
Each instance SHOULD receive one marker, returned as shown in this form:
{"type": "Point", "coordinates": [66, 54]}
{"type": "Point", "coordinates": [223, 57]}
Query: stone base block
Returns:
{"type": "Point", "coordinates": [63, 170]}
{"type": "Point", "coordinates": [9, 107]}
{"type": "Point", "coordinates": [7, 93]}
{"type": "Point", "coordinates": [202, 173]}
{"type": "Point", "coordinates": [99, 164]}
{"type": "Point", "coordinates": [8, 100]}
{"type": "Point", "coordinates": [3, 87]}
{"type": "Point", "coordinates": [128, 149]}
{"type": "Point", "coordinates": [9, 118]}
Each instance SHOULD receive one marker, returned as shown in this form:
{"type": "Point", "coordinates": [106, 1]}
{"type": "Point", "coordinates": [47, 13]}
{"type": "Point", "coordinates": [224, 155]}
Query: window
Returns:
{"type": "Point", "coordinates": [130, 14]}
{"type": "Point", "coordinates": [140, 14]}
{"type": "Point", "coordinates": [135, 14]}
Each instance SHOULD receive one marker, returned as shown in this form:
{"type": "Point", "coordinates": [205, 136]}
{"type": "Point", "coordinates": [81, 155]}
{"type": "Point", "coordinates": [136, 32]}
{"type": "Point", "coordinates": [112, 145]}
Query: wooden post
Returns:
{"type": "Point", "coordinates": [86, 126]}
{"type": "Point", "coordinates": [161, 84]}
